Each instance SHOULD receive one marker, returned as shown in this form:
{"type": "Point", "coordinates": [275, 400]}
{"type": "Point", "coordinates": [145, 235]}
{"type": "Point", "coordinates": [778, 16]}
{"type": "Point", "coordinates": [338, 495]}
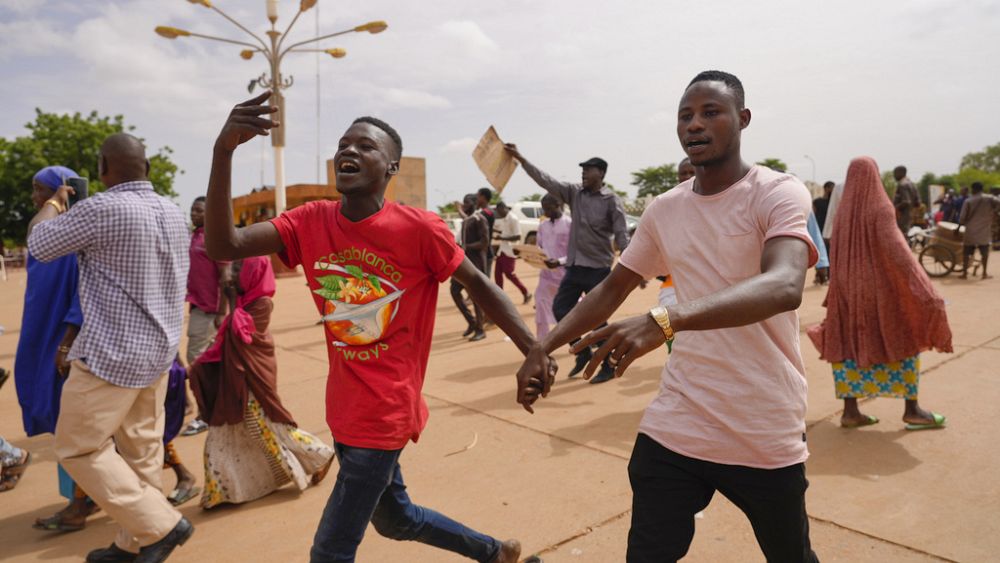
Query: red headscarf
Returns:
{"type": "Point", "coordinates": [881, 306]}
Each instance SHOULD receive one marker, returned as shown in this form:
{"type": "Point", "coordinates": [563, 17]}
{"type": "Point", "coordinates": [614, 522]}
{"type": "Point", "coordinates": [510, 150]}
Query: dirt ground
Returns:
{"type": "Point", "coordinates": [557, 479]}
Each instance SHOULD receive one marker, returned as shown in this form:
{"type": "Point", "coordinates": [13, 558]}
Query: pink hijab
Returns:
{"type": "Point", "coordinates": [256, 281]}
{"type": "Point", "coordinates": [881, 306]}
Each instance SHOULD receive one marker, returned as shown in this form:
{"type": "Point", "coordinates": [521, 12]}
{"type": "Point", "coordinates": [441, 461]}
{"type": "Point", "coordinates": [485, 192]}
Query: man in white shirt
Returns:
{"type": "Point", "coordinates": [507, 230]}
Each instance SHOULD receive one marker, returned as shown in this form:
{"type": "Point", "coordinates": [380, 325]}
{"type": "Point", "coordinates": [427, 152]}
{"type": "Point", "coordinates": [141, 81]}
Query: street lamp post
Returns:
{"type": "Point", "coordinates": [813, 162]}
{"type": "Point", "coordinates": [274, 52]}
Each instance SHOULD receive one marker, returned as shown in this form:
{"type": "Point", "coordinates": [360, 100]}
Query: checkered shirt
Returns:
{"type": "Point", "coordinates": [132, 245]}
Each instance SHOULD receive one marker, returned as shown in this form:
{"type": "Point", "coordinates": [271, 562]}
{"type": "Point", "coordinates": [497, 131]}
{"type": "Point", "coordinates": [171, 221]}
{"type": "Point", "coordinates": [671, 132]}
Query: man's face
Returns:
{"type": "Point", "coordinates": [364, 161]}
{"type": "Point", "coordinates": [965, 192]}
{"type": "Point", "coordinates": [469, 204]}
{"type": "Point", "coordinates": [551, 209]}
{"type": "Point", "coordinates": [685, 171]}
{"type": "Point", "coordinates": [898, 174]}
{"type": "Point", "coordinates": [709, 123]}
{"type": "Point", "coordinates": [39, 194]}
{"type": "Point", "coordinates": [198, 214]}
{"type": "Point", "coordinates": [591, 177]}
{"type": "Point", "coordinates": [502, 211]}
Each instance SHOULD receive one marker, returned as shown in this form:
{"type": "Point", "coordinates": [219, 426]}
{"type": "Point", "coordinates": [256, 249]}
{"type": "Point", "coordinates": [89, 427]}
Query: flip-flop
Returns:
{"type": "Point", "coordinates": [180, 496]}
{"type": "Point", "coordinates": [55, 524]}
{"type": "Point", "coordinates": [196, 426]}
{"type": "Point", "coordinates": [869, 420]}
{"type": "Point", "coordinates": [11, 474]}
{"type": "Point", "coordinates": [939, 422]}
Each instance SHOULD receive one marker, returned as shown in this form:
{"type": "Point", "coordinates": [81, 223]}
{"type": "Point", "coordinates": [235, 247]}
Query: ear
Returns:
{"type": "Point", "coordinates": [744, 118]}
{"type": "Point", "coordinates": [394, 168]}
{"type": "Point", "coordinates": [102, 166]}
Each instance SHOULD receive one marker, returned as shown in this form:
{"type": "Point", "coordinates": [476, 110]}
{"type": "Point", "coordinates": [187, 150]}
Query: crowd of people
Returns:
{"type": "Point", "coordinates": [98, 361]}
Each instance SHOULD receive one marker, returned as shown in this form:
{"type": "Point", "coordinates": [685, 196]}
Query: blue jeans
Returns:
{"type": "Point", "coordinates": [370, 488]}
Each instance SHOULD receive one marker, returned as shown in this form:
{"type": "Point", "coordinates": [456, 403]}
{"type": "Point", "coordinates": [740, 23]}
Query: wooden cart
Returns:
{"type": "Point", "coordinates": [942, 253]}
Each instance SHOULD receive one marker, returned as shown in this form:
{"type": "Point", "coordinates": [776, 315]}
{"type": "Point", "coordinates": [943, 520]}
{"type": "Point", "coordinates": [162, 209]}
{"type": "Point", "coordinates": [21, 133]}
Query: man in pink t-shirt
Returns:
{"type": "Point", "coordinates": [373, 269]}
{"type": "Point", "coordinates": [730, 412]}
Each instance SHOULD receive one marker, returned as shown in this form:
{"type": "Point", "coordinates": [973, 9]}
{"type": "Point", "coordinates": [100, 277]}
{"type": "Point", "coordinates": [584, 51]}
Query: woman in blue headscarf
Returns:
{"type": "Point", "coordinates": [52, 318]}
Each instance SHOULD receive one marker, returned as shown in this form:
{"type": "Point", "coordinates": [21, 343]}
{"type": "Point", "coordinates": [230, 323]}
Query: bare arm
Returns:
{"type": "Point", "coordinates": [223, 241]}
{"type": "Point", "coordinates": [498, 307]}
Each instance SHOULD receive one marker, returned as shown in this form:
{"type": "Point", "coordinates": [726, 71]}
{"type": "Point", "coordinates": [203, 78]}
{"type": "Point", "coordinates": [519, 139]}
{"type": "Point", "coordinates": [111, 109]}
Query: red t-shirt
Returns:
{"type": "Point", "coordinates": [375, 283]}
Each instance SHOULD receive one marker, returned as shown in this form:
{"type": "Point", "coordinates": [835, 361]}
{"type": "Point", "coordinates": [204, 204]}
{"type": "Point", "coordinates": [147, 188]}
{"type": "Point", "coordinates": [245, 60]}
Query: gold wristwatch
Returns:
{"type": "Point", "coordinates": [661, 317]}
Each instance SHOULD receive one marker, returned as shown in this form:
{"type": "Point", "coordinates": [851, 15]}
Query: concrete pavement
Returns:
{"type": "Point", "coordinates": [557, 479]}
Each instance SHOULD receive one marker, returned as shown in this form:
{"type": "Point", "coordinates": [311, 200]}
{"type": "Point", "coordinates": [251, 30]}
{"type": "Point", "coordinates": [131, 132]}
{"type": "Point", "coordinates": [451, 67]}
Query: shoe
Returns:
{"type": "Point", "coordinates": [468, 332]}
{"type": "Point", "coordinates": [582, 359]}
{"type": "Point", "coordinates": [110, 554]}
{"type": "Point", "coordinates": [480, 335]}
{"type": "Point", "coordinates": [159, 551]}
{"type": "Point", "coordinates": [939, 421]}
{"type": "Point", "coordinates": [527, 298]}
{"type": "Point", "coordinates": [607, 373]}
{"type": "Point", "coordinates": [510, 551]}
{"type": "Point", "coordinates": [196, 426]}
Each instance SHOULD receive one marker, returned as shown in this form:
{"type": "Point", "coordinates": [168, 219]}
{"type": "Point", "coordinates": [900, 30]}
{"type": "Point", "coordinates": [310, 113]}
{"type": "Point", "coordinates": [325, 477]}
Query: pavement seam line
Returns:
{"type": "Point", "coordinates": [584, 532]}
{"type": "Point", "coordinates": [877, 538]}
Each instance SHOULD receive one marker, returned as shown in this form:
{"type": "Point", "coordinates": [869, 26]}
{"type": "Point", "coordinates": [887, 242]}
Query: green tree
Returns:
{"type": "Point", "coordinates": [71, 140]}
{"type": "Point", "coordinates": [967, 176]}
{"type": "Point", "coordinates": [655, 180]}
{"type": "Point", "coordinates": [532, 197]}
{"type": "Point", "coordinates": [987, 160]}
{"type": "Point", "coordinates": [774, 164]}
{"type": "Point", "coordinates": [448, 208]}
{"type": "Point", "coordinates": [889, 183]}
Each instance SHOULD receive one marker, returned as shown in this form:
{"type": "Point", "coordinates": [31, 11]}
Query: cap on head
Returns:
{"type": "Point", "coordinates": [596, 162]}
{"type": "Point", "coordinates": [53, 176]}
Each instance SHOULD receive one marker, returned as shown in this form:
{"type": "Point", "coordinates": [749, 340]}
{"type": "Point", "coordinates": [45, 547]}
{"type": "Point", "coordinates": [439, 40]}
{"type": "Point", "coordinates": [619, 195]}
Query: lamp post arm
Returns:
{"type": "Point", "coordinates": [224, 40]}
{"type": "Point", "coordinates": [241, 26]}
{"type": "Point", "coordinates": [313, 40]}
{"type": "Point", "coordinates": [287, 29]}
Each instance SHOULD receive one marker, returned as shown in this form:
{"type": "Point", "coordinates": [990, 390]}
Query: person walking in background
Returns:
{"type": "Point", "coordinates": [823, 263]}
{"type": "Point", "coordinates": [978, 213]}
{"type": "Point", "coordinates": [206, 280]}
{"type": "Point", "coordinates": [598, 217]}
{"type": "Point", "coordinates": [881, 309]}
{"type": "Point", "coordinates": [905, 200]}
{"type": "Point", "coordinates": [133, 270]}
{"type": "Point", "coordinates": [254, 445]}
{"type": "Point", "coordinates": [49, 325]}
{"type": "Point", "coordinates": [475, 239]}
{"type": "Point", "coordinates": [507, 230]}
{"type": "Point", "coordinates": [553, 239]}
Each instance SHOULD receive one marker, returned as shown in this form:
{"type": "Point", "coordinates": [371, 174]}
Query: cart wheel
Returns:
{"type": "Point", "coordinates": [938, 261]}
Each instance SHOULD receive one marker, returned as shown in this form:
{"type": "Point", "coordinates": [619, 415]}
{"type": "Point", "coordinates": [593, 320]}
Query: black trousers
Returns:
{"type": "Point", "coordinates": [577, 281]}
{"type": "Point", "coordinates": [668, 489]}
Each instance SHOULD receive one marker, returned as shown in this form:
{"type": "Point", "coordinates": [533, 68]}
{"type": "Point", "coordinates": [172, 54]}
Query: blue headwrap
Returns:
{"type": "Point", "coordinates": [52, 176]}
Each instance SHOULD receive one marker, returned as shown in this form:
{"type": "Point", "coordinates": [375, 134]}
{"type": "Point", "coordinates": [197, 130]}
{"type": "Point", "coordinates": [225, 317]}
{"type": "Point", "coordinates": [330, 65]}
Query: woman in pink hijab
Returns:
{"type": "Point", "coordinates": [882, 310]}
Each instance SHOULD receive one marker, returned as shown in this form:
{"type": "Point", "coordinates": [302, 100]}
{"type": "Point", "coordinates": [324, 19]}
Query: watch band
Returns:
{"type": "Point", "coordinates": [662, 319]}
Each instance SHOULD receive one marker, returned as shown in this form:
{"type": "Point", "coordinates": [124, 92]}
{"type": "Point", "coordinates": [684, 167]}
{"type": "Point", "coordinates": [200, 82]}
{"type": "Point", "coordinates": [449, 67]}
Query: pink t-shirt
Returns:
{"type": "Point", "coordinates": [735, 396]}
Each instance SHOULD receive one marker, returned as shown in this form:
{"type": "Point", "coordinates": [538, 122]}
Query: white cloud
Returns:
{"type": "Point", "coordinates": [470, 35]}
{"type": "Point", "coordinates": [414, 99]}
{"type": "Point", "coordinates": [463, 145]}
{"type": "Point", "coordinates": [30, 38]}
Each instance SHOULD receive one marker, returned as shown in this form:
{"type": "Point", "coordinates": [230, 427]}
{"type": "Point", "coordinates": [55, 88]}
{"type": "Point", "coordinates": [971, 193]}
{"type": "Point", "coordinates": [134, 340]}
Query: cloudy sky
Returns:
{"type": "Point", "coordinates": [905, 81]}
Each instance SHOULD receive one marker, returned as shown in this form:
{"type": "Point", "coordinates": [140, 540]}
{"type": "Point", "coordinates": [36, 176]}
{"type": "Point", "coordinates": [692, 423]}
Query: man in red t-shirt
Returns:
{"type": "Point", "coordinates": [373, 268]}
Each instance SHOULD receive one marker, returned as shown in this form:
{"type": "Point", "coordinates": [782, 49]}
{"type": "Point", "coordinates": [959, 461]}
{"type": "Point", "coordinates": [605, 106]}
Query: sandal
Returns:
{"type": "Point", "coordinates": [868, 421]}
{"type": "Point", "coordinates": [196, 426]}
{"type": "Point", "coordinates": [938, 423]}
{"type": "Point", "coordinates": [56, 522]}
{"type": "Point", "coordinates": [180, 496]}
{"type": "Point", "coordinates": [12, 473]}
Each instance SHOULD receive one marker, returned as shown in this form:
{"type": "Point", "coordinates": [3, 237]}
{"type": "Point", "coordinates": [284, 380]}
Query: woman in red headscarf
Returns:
{"type": "Point", "coordinates": [253, 445]}
{"type": "Point", "coordinates": [882, 310]}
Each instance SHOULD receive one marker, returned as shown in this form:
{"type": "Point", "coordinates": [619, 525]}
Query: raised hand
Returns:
{"type": "Point", "coordinates": [244, 123]}
{"type": "Point", "coordinates": [512, 149]}
{"type": "Point", "coordinates": [624, 342]}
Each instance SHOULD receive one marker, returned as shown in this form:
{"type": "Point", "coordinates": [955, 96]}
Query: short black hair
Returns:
{"type": "Point", "coordinates": [729, 80]}
{"type": "Point", "coordinates": [467, 196]}
{"type": "Point", "coordinates": [485, 192]}
{"type": "Point", "coordinates": [501, 203]}
{"type": "Point", "coordinates": [901, 169]}
{"type": "Point", "coordinates": [556, 200]}
{"type": "Point", "coordinates": [387, 129]}
{"type": "Point", "coordinates": [977, 187]}
{"type": "Point", "coordinates": [829, 184]}
{"type": "Point", "coordinates": [200, 198]}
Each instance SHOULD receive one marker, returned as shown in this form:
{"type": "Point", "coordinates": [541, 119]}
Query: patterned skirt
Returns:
{"type": "Point", "coordinates": [898, 380]}
{"type": "Point", "coordinates": [244, 462]}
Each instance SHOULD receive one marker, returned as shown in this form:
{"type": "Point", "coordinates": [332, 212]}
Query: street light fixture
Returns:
{"type": "Point", "coordinates": [274, 52]}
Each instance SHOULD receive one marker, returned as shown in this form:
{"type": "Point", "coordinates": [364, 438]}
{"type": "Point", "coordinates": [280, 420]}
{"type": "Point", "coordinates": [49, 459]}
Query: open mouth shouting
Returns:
{"type": "Point", "coordinates": [696, 145]}
{"type": "Point", "coordinates": [347, 167]}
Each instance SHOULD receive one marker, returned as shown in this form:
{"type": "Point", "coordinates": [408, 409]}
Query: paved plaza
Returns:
{"type": "Point", "coordinates": [557, 479]}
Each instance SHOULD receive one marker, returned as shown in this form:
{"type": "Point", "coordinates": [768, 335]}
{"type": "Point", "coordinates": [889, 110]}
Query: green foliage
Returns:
{"type": "Point", "coordinates": [775, 164]}
{"type": "Point", "coordinates": [655, 180]}
{"type": "Point", "coordinates": [71, 140]}
{"type": "Point", "coordinates": [889, 182]}
{"type": "Point", "coordinates": [448, 208]}
{"type": "Point", "coordinates": [532, 197]}
{"type": "Point", "coordinates": [967, 176]}
{"type": "Point", "coordinates": [986, 160]}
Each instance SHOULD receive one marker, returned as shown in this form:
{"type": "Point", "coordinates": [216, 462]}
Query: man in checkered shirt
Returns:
{"type": "Point", "coordinates": [132, 248]}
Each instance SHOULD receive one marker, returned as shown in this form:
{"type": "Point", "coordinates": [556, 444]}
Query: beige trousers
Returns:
{"type": "Point", "coordinates": [201, 333]}
{"type": "Point", "coordinates": [110, 441]}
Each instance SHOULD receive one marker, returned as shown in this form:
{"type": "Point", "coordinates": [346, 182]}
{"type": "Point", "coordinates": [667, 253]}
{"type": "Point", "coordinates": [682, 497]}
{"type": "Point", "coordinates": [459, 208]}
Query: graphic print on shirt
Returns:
{"type": "Point", "coordinates": [359, 306]}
